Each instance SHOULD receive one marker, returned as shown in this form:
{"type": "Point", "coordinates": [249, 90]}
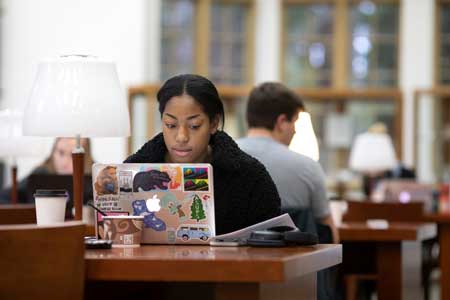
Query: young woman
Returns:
{"type": "Point", "coordinates": [60, 160]}
{"type": "Point", "coordinates": [191, 111]}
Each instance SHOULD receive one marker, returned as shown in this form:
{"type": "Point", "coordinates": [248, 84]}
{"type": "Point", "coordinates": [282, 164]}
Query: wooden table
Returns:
{"type": "Point", "coordinates": [17, 214]}
{"type": "Point", "coordinates": [443, 221]}
{"type": "Point", "coordinates": [398, 255]}
{"type": "Point", "coordinates": [229, 272]}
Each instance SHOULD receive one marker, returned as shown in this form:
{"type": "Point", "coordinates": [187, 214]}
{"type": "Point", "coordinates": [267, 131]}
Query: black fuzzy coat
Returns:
{"type": "Point", "coordinates": [244, 192]}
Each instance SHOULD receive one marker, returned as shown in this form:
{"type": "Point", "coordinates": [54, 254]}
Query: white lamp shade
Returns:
{"type": "Point", "coordinates": [77, 95]}
{"type": "Point", "coordinates": [372, 152]}
{"type": "Point", "coordinates": [12, 141]}
{"type": "Point", "coordinates": [304, 140]}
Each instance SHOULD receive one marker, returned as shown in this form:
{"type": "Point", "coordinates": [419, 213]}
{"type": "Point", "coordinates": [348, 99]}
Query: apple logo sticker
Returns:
{"type": "Point", "coordinates": [153, 204]}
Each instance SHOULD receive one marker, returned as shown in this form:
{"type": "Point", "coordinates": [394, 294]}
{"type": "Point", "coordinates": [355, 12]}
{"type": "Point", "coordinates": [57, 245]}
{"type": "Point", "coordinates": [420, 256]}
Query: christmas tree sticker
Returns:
{"type": "Point", "coordinates": [197, 211]}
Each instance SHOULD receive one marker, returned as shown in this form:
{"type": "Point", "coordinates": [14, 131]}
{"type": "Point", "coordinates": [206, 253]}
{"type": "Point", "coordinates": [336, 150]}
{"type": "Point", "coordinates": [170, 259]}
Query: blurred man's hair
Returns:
{"type": "Point", "coordinates": [269, 100]}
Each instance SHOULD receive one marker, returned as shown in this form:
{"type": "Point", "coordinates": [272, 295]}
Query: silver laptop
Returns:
{"type": "Point", "coordinates": [176, 200]}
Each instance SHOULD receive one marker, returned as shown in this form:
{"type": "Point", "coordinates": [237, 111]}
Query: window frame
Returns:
{"type": "Point", "coordinates": [341, 35]}
{"type": "Point", "coordinates": [229, 94]}
{"type": "Point", "coordinates": [440, 97]}
{"type": "Point", "coordinates": [346, 95]}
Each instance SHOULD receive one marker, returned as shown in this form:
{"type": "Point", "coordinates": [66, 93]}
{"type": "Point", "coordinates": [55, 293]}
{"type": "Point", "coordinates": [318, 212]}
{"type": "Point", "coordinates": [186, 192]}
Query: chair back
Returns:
{"type": "Point", "coordinates": [42, 262]}
{"type": "Point", "coordinates": [390, 211]}
{"type": "Point", "coordinates": [17, 214]}
{"type": "Point", "coordinates": [302, 218]}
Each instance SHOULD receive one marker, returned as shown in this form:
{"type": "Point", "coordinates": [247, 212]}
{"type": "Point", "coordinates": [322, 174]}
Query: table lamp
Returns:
{"type": "Point", "coordinates": [304, 140]}
{"type": "Point", "coordinates": [372, 153]}
{"type": "Point", "coordinates": [13, 144]}
{"type": "Point", "coordinates": [77, 96]}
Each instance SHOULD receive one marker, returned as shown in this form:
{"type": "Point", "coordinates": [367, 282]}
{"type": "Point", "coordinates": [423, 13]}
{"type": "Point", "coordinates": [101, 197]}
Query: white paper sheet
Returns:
{"type": "Point", "coordinates": [244, 233]}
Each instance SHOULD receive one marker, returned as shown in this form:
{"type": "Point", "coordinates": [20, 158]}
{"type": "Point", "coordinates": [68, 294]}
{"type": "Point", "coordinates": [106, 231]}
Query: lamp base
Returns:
{"type": "Point", "coordinates": [14, 195]}
{"type": "Point", "coordinates": [78, 171]}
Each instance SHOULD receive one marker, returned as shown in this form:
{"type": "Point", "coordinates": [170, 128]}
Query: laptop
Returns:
{"type": "Point", "coordinates": [404, 191]}
{"type": "Point", "coordinates": [57, 182]}
{"type": "Point", "coordinates": [176, 200]}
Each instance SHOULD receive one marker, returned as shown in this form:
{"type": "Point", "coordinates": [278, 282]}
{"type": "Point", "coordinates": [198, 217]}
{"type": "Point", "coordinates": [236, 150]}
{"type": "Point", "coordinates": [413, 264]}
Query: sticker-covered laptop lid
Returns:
{"type": "Point", "coordinates": [176, 200]}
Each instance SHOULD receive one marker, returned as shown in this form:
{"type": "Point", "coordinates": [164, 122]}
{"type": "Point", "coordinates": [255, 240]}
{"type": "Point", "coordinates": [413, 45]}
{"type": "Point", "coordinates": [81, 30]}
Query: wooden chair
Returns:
{"type": "Point", "coordinates": [390, 211]}
{"type": "Point", "coordinates": [42, 262]}
{"type": "Point", "coordinates": [17, 214]}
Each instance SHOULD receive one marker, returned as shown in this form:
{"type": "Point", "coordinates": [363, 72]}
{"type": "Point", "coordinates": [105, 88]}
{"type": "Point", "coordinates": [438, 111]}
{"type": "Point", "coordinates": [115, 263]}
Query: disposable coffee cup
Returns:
{"type": "Point", "coordinates": [50, 206]}
{"type": "Point", "coordinates": [124, 231]}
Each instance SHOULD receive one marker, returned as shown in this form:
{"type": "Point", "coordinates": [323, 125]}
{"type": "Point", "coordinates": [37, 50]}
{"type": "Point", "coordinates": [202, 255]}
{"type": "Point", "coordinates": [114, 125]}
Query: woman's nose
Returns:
{"type": "Point", "coordinates": [182, 135]}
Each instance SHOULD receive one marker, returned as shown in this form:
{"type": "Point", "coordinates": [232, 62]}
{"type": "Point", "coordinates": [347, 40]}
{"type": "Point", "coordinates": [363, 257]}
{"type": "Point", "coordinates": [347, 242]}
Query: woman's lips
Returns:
{"type": "Point", "coordinates": [181, 152]}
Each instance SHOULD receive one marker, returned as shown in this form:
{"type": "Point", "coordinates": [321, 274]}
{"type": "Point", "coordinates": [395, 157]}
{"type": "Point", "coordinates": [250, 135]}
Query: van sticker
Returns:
{"type": "Point", "coordinates": [187, 232]}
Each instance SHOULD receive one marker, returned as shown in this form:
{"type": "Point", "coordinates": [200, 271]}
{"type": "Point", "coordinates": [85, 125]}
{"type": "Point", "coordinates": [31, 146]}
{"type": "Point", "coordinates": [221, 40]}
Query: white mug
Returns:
{"type": "Point", "coordinates": [50, 206]}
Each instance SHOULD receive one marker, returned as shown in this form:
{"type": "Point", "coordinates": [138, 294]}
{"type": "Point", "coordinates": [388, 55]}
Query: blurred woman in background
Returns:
{"type": "Point", "coordinates": [59, 162]}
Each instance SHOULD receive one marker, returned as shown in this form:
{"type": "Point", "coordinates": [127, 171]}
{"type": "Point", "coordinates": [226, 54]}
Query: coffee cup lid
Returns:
{"type": "Point", "coordinates": [51, 193]}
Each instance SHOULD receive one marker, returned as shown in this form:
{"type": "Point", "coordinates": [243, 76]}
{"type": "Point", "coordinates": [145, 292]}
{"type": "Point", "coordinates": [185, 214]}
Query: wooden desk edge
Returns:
{"type": "Point", "coordinates": [140, 269]}
{"type": "Point", "coordinates": [17, 206]}
{"type": "Point", "coordinates": [330, 257]}
{"type": "Point", "coordinates": [437, 218]}
{"type": "Point", "coordinates": [418, 232]}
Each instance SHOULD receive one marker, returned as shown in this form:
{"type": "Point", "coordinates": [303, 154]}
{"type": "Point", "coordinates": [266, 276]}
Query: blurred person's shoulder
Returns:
{"type": "Point", "coordinates": [44, 170]}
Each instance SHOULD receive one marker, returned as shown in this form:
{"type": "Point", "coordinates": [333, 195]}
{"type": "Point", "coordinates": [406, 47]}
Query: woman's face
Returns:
{"type": "Point", "coordinates": [187, 130]}
{"type": "Point", "coordinates": [62, 155]}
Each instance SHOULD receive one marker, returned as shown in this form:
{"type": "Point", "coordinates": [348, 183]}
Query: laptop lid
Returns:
{"type": "Point", "coordinates": [176, 200]}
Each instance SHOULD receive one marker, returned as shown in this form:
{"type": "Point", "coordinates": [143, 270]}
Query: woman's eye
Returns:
{"type": "Point", "coordinates": [170, 126]}
{"type": "Point", "coordinates": [194, 126]}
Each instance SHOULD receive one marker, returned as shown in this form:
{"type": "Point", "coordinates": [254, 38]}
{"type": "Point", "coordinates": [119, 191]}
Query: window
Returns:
{"type": "Point", "coordinates": [432, 133]}
{"type": "Point", "coordinates": [342, 58]}
{"type": "Point", "coordinates": [432, 108]}
{"type": "Point", "coordinates": [177, 38]}
{"type": "Point", "coordinates": [338, 117]}
{"type": "Point", "coordinates": [228, 43]}
{"type": "Point", "coordinates": [340, 43]}
{"type": "Point", "coordinates": [196, 37]}
{"type": "Point", "coordinates": [308, 44]}
{"type": "Point", "coordinates": [443, 60]}
{"type": "Point", "coordinates": [373, 43]}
